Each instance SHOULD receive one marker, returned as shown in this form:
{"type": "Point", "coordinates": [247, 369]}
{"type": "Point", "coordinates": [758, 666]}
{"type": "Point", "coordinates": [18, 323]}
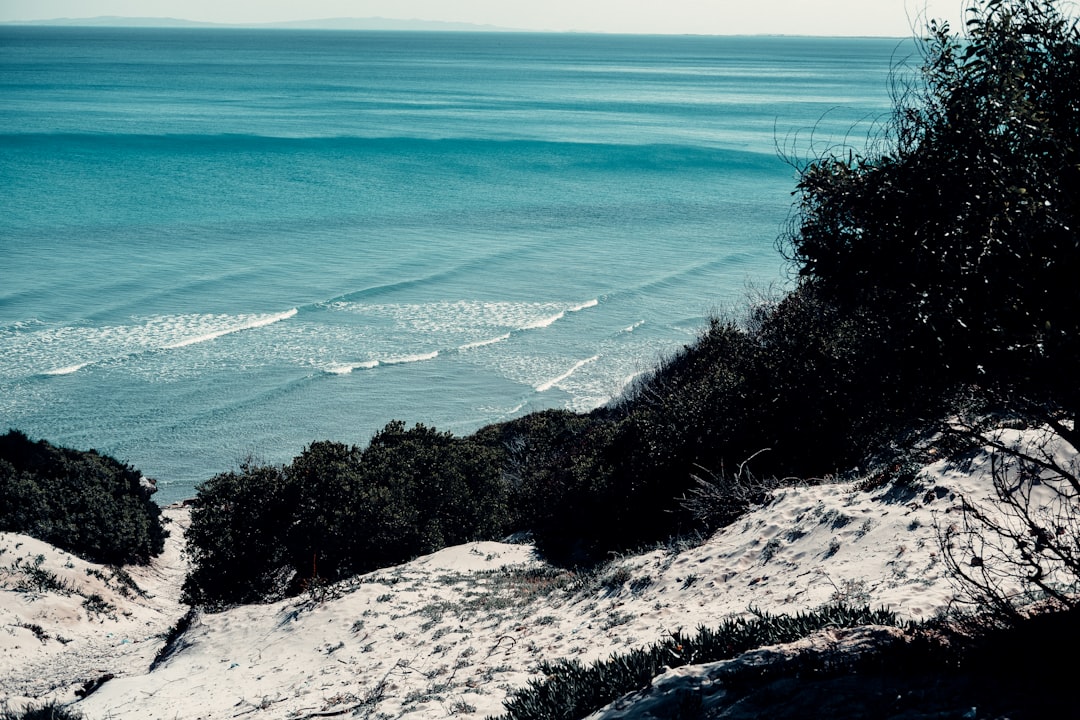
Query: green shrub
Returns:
{"type": "Point", "coordinates": [83, 502]}
{"type": "Point", "coordinates": [262, 533]}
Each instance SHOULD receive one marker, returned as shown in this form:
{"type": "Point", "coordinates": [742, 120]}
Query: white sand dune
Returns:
{"type": "Point", "coordinates": [451, 633]}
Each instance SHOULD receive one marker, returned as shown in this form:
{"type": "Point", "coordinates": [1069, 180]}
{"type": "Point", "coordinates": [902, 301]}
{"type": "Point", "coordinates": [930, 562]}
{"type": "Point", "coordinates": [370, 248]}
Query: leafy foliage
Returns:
{"type": "Point", "coordinates": [570, 689]}
{"type": "Point", "coordinates": [264, 532]}
{"type": "Point", "coordinates": [963, 236]}
{"type": "Point", "coordinates": [932, 669]}
{"type": "Point", "coordinates": [83, 502]}
{"type": "Point", "coordinates": [936, 271]}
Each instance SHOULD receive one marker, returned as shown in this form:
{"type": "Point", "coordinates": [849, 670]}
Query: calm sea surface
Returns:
{"type": "Point", "coordinates": [223, 243]}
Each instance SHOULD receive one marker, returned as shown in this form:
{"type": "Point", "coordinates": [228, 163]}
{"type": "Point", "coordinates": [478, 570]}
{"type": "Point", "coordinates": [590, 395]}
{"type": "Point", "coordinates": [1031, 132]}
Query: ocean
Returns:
{"type": "Point", "coordinates": [226, 244]}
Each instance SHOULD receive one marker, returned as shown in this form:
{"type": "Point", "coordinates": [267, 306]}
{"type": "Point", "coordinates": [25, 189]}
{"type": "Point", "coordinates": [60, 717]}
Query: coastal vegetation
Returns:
{"type": "Point", "coordinates": [572, 690]}
{"type": "Point", "coordinates": [264, 532]}
{"type": "Point", "coordinates": [83, 502]}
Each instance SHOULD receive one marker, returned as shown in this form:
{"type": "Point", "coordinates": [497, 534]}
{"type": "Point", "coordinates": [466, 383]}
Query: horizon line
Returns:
{"type": "Point", "coordinates": [327, 24]}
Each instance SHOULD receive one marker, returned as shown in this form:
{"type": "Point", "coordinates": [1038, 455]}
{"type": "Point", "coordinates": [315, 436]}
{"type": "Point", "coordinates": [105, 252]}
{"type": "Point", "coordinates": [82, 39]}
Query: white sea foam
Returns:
{"type": "Point", "coordinates": [21, 325]}
{"type": "Point", "coordinates": [626, 382]}
{"type": "Point", "coordinates": [346, 369]}
{"type": "Point", "coordinates": [544, 322]}
{"type": "Point", "coordinates": [545, 386]}
{"type": "Point", "coordinates": [635, 326]}
{"type": "Point", "coordinates": [482, 343]}
{"type": "Point", "coordinates": [245, 322]}
{"type": "Point", "coordinates": [459, 321]}
{"type": "Point", "coordinates": [587, 304]}
{"type": "Point", "coordinates": [411, 358]}
{"type": "Point", "coordinates": [66, 370]}
{"type": "Point", "coordinates": [552, 319]}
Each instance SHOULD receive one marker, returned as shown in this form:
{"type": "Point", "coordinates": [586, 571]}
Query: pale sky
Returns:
{"type": "Point", "coordinates": [711, 17]}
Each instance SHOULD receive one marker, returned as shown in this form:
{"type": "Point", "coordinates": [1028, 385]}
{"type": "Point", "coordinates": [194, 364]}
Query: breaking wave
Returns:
{"type": "Point", "coordinates": [247, 323]}
{"type": "Point", "coordinates": [545, 386]}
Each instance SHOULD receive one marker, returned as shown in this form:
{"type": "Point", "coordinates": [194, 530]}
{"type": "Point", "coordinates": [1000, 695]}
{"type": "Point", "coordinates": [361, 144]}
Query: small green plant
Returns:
{"type": "Point", "coordinates": [34, 578]}
{"type": "Point", "coordinates": [851, 591]}
{"type": "Point", "coordinates": [834, 547]}
{"type": "Point", "coordinates": [571, 690]}
{"type": "Point", "coordinates": [38, 631]}
{"type": "Point", "coordinates": [614, 581]}
{"type": "Point", "coordinates": [615, 619]}
{"type": "Point", "coordinates": [835, 519]}
{"type": "Point", "coordinates": [771, 548]}
{"type": "Point", "coordinates": [94, 604]}
{"type": "Point", "coordinates": [459, 707]}
{"type": "Point", "coordinates": [174, 638]}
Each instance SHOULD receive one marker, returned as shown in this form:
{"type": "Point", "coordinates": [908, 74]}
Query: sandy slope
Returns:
{"type": "Point", "coordinates": [451, 633]}
{"type": "Point", "coordinates": [52, 640]}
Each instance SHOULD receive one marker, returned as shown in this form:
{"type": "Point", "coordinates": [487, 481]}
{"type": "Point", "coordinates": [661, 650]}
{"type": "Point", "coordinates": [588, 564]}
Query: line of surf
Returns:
{"type": "Point", "coordinates": [545, 386]}
{"type": "Point", "coordinates": [552, 319]}
{"type": "Point", "coordinates": [119, 354]}
{"type": "Point", "coordinates": [68, 370]}
{"type": "Point", "coordinates": [249, 325]}
{"type": "Point", "coordinates": [348, 368]}
{"type": "Point", "coordinates": [484, 343]}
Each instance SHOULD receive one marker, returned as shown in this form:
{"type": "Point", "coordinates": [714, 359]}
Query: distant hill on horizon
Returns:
{"type": "Point", "coordinates": [370, 23]}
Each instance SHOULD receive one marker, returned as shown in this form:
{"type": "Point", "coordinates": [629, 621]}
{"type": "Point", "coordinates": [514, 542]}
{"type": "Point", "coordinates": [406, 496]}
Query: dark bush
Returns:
{"type": "Point", "coordinates": [961, 238]}
{"type": "Point", "coordinates": [262, 533]}
{"type": "Point", "coordinates": [236, 540]}
{"type": "Point", "coordinates": [48, 711]}
{"type": "Point", "coordinates": [426, 490]}
{"type": "Point", "coordinates": [83, 502]}
{"type": "Point", "coordinates": [798, 388]}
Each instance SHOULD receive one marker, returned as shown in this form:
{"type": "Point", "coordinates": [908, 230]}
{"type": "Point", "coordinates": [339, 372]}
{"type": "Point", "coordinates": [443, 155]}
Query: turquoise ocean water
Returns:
{"type": "Point", "coordinates": [223, 243]}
